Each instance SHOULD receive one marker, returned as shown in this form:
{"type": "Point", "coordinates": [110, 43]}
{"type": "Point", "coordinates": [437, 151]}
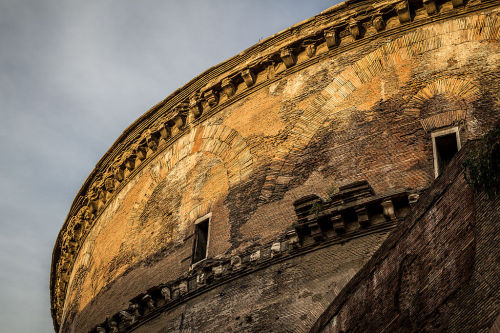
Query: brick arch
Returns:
{"type": "Point", "coordinates": [479, 27]}
{"type": "Point", "coordinates": [456, 87]}
{"type": "Point", "coordinates": [224, 142]}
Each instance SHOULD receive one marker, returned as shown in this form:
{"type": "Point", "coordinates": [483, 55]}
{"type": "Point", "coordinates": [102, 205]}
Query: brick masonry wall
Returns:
{"type": "Point", "coordinates": [437, 272]}
{"type": "Point", "coordinates": [286, 297]}
{"type": "Point", "coordinates": [356, 116]}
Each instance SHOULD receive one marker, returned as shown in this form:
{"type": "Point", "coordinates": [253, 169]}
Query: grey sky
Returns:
{"type": "Point", "coordinates": [73, 75]}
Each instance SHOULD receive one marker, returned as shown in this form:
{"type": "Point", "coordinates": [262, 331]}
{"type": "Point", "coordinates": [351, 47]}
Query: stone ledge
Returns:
{"type": "Point", "coordinates": [428, 199]}
{"type": "Point", "coordinates": [215, 272]}
{"type": "Point", "coordinates": [197, 100]}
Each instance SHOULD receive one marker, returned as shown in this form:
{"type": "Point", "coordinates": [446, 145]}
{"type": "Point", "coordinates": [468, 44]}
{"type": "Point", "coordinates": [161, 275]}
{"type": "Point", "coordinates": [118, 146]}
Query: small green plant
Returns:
{"type": "Point", "coordinates": [332, 190]}
{"type": "Point", "coordinates": [316, 208]}
{"type": "Point", "coordinates": [482, 166]}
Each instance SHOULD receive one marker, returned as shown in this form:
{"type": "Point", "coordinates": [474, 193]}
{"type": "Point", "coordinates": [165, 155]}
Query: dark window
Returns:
{"type": "Point", "coordinates": [446, 148]}
{"type": "Point", "coordinates": [200, 241]}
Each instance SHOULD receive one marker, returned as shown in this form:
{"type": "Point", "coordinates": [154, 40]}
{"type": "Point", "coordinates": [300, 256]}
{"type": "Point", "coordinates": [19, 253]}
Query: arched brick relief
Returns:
{"type": "Point", "coordinates": [222, 141]}
{"type": "Point", "coordinates": [218, 141]}
{"type": "Point", "coordinates": [479, 27]}
{"type": "Point", "coordinates": [463, 89]}
{"type": "Point", "coordinates": [461, 92]}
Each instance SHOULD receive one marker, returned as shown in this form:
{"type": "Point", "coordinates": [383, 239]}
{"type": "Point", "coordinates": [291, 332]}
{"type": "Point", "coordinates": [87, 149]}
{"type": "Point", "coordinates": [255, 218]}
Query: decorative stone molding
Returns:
{"type": "Point", "coordinates": [212, 272]}
{"type": "Point", "coordinates": [168, 120]}
{"type": "Point", "coordinates": [355, 206]}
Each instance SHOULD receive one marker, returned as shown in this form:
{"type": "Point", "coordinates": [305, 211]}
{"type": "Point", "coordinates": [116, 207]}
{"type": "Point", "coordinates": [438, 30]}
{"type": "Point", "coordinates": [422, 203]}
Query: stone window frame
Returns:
{"type": "Point", "coordinates": [441, 132]}
{"type": "Point", "coordinates": [198, 221]}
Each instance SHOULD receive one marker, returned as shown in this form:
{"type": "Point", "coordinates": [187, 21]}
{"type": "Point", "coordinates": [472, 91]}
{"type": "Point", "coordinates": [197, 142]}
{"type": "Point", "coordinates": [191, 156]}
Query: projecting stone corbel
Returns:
{"type": "Point", "coordinates": [354, 29]}
{"type": "Point", "coordinates": [388, 209]}
{"type": "Point", "coordinates": [362, 214]}
{"type": "Point", "coordinates": [331, 38]}
{"type": "Point", "coordinates": [248, 76]}
{"type": "Point", "coordinates": [211, 97]}
{"type": "Point", "coordinates": [151, 140]}
{"type": "Point", "coordinates": [378, 23]}
{"type": "Point", "coordinates": [177, 124]}
{"type": "Point", "coordinates": [195, 107]}
{"type": "Point", "coordinates": [457, 3]}
{"type": "Point", "coordinates": [316, 232]}
{"type": "Point", "coordinates": [140, 150]}
{"type": "Point", "coordinates": [164, 131]}
{"type": "Point", "coordinates": [109, 183]}
{"type": "Point", "coordinates": [113, 326]}
{"type": "Point", "coordinates": [403, 12]}
{"type": "Point", "coordinates": [165, 293]}
{"type": "Point", "coordinates": [119, 172]}
{"type": "Point", "coordinates": [126, 317]}
{"type": "Point", "coordinates": [236, 263]}
{"type": "Point", "coordinates": [148, 301]}
{"type": "Point", "coordinates": [228, 87]}
{"type": "Point", "coordinates": [129, 160]}
{"type": "Point", "coordinates": [288, 57]}
{"type": "Point", "coordinates": [430, 7]}
{"type": "Point", "coordinates": [338, 223]}
{"type": "Point", "coordinates": [311, 50]}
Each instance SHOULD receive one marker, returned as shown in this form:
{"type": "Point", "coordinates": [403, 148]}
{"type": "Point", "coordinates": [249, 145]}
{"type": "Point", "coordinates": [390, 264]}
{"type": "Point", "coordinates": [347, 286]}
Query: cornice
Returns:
{"type": "Point", "coordinates": [220, 86]}
{"type": "Point", "coordinates": [312, 231]}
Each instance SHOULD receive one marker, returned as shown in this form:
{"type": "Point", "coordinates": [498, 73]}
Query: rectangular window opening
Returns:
{"type": "Point", "coordinates": [201, 240]}
{"type": "Point", "coordinates": [446, 144]}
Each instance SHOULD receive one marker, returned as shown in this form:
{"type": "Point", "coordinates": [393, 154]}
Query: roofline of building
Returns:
{"type": "Point", "coordinates": [199, 99]}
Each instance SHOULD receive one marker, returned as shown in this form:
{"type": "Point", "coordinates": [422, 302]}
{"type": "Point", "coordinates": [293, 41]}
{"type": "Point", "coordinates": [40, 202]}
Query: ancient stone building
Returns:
{"type": "Point", "coordinates": [313, 182]}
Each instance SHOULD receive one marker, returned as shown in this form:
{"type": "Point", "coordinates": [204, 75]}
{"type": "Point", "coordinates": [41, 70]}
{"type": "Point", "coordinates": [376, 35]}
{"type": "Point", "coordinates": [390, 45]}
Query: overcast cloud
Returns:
{"type": "Point", "coordinates": [73, 75]}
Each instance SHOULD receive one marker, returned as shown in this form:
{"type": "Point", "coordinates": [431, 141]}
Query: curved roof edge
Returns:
{"type": "Point", "coordinates": [206, 94]}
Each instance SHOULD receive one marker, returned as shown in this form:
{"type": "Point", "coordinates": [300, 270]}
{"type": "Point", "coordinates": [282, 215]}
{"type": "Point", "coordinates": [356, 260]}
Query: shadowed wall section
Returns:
{"type": "Point", "coordinates": [305, 150]}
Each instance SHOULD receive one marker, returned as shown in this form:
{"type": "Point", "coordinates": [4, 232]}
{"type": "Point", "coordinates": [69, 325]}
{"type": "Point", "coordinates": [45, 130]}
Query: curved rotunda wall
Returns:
{"type": "Point", "coordinates": [365, 113]}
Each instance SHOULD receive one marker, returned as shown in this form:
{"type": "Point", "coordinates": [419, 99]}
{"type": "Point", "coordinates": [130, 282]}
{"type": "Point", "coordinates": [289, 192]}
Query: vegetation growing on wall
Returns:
{"type": "Point", "coordinates": [482, 166]}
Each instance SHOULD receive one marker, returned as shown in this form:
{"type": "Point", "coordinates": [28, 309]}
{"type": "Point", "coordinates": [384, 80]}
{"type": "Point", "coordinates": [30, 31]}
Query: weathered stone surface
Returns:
{"type": "Point", "coordinates": [302, 114]}
{"type": "Point", "coordinates": [437, 271]}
